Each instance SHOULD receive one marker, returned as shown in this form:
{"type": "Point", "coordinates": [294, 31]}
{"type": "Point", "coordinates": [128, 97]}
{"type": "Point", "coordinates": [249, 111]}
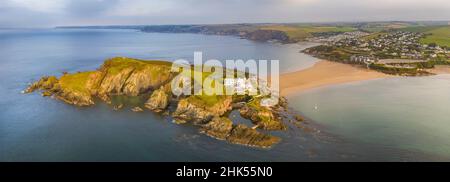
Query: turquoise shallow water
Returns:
{"type": "Point", "coordinates": [402, 119]}
{"type": "Point", "coordinates": [404, 113]}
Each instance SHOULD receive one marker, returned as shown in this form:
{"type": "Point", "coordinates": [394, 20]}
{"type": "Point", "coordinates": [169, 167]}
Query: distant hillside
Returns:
{"type": "Point", "coordinates": [285, 33]}
{"type": "Point", "coordinates": [294, 32]}
{"type": "Point", "coordinates": [301, 32]}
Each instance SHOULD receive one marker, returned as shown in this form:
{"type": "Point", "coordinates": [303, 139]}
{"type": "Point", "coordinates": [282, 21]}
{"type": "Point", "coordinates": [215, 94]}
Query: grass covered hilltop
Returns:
{"type": "Point", "coordinates": [148, 84]}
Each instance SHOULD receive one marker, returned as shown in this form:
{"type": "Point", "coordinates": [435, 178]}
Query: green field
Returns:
{"type": "Point", "coordinates": [422, 29]}
{"type": "Point", "coordinates": [76, 82]}
{"type": "Point", "coordinates": [440, 36]}
{"type": "Point", "coordinates": [435, 34]}
{"type": "Point", "coordinates": [378, 27]}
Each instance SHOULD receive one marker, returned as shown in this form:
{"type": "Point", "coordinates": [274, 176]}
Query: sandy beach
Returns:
{"type": "Point", "coordinates": [440, 69]}
{"type": "Point", "coordinates": [322, 74]}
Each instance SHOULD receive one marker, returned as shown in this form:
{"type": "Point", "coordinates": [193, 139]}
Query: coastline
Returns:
{"type": "Point", "coordinates": [440, 69]}
{"type": "Point", "coordinates": [325, 73]}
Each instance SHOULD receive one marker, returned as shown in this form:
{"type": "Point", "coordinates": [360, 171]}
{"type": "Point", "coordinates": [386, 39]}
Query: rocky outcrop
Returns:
{"type": "Point", "coordinates": [117, 76]}
{"type": "Point", "coordinates": [196, 110]}
{"type": "Point", "coordinates": [219, 127]}
{"type": "Point", "coordinates": [124, 76]}
{"type": "Point", "coordinates": [137, 109]}
{"type": "Point", "coordinates": [75, 98]}
{"type": "Point", "coordinates": [159, 100]}
{"type": "Point", "coordinates": [263, 117]}
{"type": "Point", "coordinates": [51, 86]}
{"type": "Point", "coordinates": [244, 135]}
{"type": "Point", "coordinates": [223, 128]}
{"type": "Point", "coordinates": [45, 83]}
{"type": "Point", "coordinates": [299, 118]}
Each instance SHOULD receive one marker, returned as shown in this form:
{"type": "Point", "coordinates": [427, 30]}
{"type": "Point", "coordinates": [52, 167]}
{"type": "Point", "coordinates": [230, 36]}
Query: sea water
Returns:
{"type": "Point", "coordinates": [397, 120]}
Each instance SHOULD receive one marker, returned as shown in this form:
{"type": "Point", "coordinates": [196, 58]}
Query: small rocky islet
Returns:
{"type": "Point", "coordinates": [151, 81]}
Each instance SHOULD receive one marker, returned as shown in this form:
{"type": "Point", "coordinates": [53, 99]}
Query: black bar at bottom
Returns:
{"type": "Point", "coordinates": [216, 170]}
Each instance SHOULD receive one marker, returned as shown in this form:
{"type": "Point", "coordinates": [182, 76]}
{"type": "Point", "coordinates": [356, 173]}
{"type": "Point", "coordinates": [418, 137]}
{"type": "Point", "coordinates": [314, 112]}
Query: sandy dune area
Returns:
{"type": "Point", "coordinates": [325, 73]}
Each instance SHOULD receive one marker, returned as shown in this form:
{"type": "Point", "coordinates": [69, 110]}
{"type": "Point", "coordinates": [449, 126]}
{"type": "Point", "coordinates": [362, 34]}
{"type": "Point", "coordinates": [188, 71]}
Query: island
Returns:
{"type": "Point", "coordinates": [148, 82]}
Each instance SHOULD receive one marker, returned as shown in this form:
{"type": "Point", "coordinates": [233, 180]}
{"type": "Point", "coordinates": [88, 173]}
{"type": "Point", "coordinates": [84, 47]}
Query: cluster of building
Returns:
{"type": "Point", "coordinates": [398, 44]}
{"type": "Point", "coordinates": [333, 38]}
{"type": "Point", "coordinates": [363, 59]}
{"type": "Point", "coordinates": [395, 44]}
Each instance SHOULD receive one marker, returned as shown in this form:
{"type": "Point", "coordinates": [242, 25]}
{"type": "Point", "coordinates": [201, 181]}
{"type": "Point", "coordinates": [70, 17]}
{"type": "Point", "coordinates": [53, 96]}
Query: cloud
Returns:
{"type": "Point", "coordinates": [87, 8]}
{"type": "Point", "coordinates": [44, 6]}
{"type": "Point", "coordinates": [100, 12]}
{"type": "Point", "coordinates": [144, 7]}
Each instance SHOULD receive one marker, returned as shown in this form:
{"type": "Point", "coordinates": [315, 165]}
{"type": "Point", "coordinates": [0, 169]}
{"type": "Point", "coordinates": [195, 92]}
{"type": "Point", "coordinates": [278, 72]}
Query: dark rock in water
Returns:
{"type": "Point", "coordinates": [299, 118]}
{"type": "Point", "coordinates": [222, 128]}
{"type": "Point", "coordinates": [166, 113]}
{"type": "Point", "coordinates": [219, 127]}
{"type": "Point", "coordinates": [137, 109]}
{"type": "Point", "coordinates": [177, 121]}
{"type": "Point", "coordinates": [244, 135]}
{"type": "Point", "coordinates": [118, 107]}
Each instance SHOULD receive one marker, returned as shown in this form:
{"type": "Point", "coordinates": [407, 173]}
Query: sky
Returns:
{"type": "Point", "coordinates": [50, 13]}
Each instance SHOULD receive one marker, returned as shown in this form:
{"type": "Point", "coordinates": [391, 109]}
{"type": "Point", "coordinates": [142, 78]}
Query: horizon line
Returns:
{"type": "Point", "coordinates": [250, 23]}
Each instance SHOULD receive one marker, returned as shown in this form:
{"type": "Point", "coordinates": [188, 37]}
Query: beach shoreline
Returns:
{"type": "Point", "coordinates": [325, 73]}
{"type": "Point", "coordinates": [440, 69]}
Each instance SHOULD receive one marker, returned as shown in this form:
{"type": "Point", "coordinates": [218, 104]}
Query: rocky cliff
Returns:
{"type": "Point", "coordinates": [246, 31]}
{"type": "Point", "coordinates": [267, 35]}
{"type": "Point", "coordinates": [160, 99]}
{"type": "Point", "coordinates": [150, 82]}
